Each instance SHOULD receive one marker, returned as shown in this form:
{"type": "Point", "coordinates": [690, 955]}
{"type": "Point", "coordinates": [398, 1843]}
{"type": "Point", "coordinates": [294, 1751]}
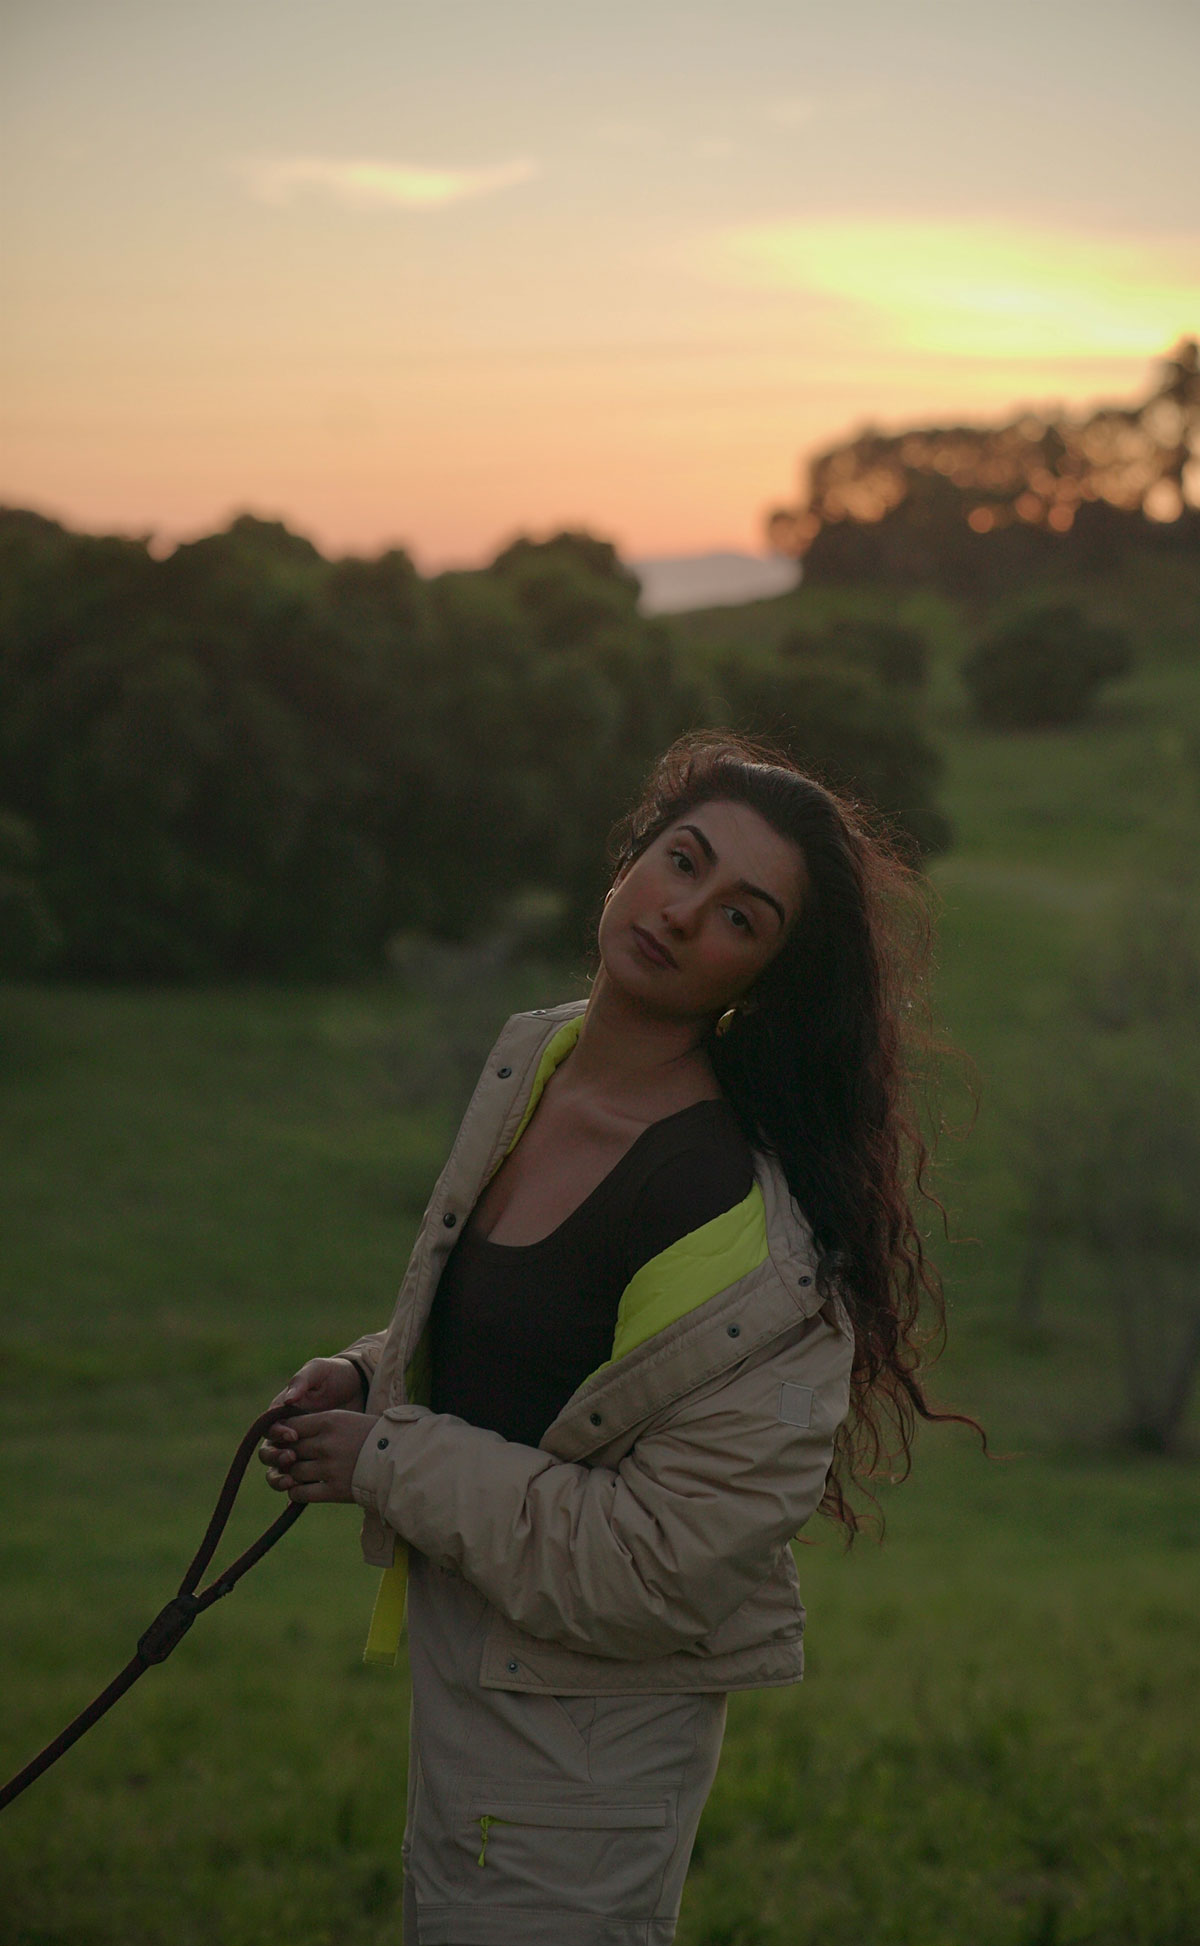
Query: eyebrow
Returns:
{"type": "Point", "coordinates": [743, 885]}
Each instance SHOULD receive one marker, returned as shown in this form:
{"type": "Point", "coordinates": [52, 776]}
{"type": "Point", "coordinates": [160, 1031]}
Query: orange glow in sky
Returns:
{"type": "Point", "coordinates": [436, 276]}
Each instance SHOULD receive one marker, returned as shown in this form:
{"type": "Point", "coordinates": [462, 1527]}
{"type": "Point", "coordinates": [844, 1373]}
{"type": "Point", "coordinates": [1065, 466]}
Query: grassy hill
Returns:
{"type": "Point", "coordinates": [200, 1188]}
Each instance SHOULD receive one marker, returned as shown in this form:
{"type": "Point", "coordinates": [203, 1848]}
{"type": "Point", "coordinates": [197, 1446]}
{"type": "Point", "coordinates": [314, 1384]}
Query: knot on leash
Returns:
{"type": "Point", "coordinates": [169, 1627]}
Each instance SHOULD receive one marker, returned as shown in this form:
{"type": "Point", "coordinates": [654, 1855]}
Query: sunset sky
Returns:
{"type": "Point", "coordinates": [434, 272]}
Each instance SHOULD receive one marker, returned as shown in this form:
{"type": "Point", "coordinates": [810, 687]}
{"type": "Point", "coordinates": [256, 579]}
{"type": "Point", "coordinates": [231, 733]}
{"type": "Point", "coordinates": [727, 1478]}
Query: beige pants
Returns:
{"type": "Point", "coordinates": [542, 1819]}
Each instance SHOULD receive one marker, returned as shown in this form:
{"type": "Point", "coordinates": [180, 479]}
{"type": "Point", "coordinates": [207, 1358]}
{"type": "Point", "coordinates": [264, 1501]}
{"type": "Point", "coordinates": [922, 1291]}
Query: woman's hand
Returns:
{"type": "Point", "coordinates": [312, 1458]}
{"type": "Point", "coordinates": [322, 1385]}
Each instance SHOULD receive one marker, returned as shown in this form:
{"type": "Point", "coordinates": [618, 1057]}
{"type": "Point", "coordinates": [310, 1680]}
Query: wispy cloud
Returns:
{"type": "Point", "coordinates": [365, 183]}
{"type": "Point", "coordinates": [992, 290]}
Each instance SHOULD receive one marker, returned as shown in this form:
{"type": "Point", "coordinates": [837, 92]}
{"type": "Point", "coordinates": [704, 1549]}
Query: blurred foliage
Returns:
{"type": "Point", "coordinates": [1113, 1139]}
{"type": "Point", "coordinates": [896, 656]}
{"type": "Point", "coordinates": [28, 934]}
{"type": "Point", "coordinates": [822, 699]}
{"type": "Point", "coordinates": [979, 510]}
{"type": "Point", "coordinates": [1043, 668]}
{"type": "Point", "coordinates": [248, 760]}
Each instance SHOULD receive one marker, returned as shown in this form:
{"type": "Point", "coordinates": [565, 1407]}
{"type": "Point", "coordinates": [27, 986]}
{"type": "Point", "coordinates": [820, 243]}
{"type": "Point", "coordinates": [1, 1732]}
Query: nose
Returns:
{"type": "Point", "coordinates": [681, 912]}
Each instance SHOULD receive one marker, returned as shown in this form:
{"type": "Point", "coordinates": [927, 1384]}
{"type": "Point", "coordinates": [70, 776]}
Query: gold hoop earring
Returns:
{"type": "Point", "coordinates": [608, 895]}
{"type": "Point", "coordinates": [726, 1021]}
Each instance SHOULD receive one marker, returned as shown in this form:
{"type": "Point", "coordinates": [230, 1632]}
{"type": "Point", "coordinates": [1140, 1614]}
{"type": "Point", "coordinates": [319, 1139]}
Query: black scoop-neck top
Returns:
{"type": "Point", "coordinates": [516, 1328]}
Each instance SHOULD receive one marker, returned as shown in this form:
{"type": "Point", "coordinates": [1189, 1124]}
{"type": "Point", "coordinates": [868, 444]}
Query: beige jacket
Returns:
{"type": "Point", "coordinates": [643, 1546]}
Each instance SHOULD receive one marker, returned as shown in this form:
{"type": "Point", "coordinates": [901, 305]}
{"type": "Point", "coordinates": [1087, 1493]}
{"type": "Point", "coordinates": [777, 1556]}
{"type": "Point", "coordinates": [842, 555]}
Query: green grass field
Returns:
{"type": "Point", "coordinates": [997, 1741]}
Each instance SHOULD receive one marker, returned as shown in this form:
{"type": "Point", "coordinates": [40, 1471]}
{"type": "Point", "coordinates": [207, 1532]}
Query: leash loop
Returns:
{"type": "Point", "coordinates": [176, 1617]}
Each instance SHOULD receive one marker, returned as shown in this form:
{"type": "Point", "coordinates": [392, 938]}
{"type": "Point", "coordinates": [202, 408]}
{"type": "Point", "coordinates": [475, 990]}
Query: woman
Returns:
{"type": "Point", "coordinates": [625, 1368]}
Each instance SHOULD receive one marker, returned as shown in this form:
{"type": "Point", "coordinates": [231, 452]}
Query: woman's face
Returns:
{"type": "Point", "coordinates": [694, 920]}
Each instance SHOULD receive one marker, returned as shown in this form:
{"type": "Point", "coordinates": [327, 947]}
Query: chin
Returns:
{"type": "Point", "coordinates": [655, 991]}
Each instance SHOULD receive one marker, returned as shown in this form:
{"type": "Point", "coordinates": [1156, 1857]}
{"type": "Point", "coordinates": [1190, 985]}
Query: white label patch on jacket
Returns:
{"type": "Point", "coordinates": [795, 1404]}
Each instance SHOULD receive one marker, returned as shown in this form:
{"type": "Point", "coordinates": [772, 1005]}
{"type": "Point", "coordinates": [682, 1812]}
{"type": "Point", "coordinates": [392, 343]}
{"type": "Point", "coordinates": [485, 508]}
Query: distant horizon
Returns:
{"type": "Point", "coordinates": [163, 544]}
{"type": "Point", "coordinates": [764, 572]}
{"type": "Point", "coordinates": [752, 547]}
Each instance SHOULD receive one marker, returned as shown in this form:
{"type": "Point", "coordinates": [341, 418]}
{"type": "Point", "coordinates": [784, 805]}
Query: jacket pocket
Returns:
{"type": "Point", "coordinates": [604, 1818]}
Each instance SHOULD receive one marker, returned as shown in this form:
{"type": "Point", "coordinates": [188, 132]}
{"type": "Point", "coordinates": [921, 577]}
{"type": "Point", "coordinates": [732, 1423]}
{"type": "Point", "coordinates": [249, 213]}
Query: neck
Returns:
{"type": "Point", "coordinates": [625, 1053]}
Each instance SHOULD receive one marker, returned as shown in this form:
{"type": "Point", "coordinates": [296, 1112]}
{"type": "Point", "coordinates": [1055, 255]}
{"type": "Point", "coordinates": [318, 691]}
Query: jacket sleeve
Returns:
{"type": "Point", "coordinates": [638, 1559]}
{"type": "Point", "coordinates": [367, 1348]}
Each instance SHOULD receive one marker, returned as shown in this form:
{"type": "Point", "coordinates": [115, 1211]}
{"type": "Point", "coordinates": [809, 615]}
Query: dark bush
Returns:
{"type": "Point", "coordinates": [1043, 669]}
{"type": "Point", "coordinates": [29, 937]}
{"type": "Point", "coordinates": [897, 657]}
{"type": "Point", "coordinates": [840, 723]}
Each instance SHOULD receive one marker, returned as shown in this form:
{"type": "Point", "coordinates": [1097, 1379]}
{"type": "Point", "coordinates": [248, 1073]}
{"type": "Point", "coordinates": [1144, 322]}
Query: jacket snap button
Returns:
{"type": "Point", "coordinates": [735, 1331]}
{"type": "Point", "coordinates": [512, 1667]}
{"type": "Point", "coordinates": [381, 1444]}
{"type": "Point", "coordinates": [594, 1418]}
{"type": "Point", "coordinates": [449, 1220]}
{"type": "Point", "coordinates": [504, 1073]}
{"type": "Point", "coordinates": [806, 1280]}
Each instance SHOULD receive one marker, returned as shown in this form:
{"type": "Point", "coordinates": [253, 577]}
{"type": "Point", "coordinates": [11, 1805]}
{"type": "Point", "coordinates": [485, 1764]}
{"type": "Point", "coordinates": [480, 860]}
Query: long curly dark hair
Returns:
{"type": "Point", "coordinates": [825, 1068]}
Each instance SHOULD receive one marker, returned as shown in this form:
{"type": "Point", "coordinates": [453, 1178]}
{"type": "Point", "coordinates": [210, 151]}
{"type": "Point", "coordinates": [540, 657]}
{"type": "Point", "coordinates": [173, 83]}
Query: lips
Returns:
{"type": "Point", "coordinates": [653, 949]}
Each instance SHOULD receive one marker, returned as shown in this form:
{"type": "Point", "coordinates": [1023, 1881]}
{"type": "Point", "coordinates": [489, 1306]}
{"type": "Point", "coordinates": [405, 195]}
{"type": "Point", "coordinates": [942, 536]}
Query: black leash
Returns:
{"type": "Point", "coordinates": [174, 1620]}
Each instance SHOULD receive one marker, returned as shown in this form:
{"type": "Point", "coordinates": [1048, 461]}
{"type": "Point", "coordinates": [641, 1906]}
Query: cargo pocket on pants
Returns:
{"type": "Point", "coordinates": [595, 1856]}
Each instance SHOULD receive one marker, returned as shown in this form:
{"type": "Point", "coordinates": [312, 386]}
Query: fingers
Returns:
{"type": "Point", "coordinates": [305, 1386]}
{"type": "Point", "coordinates": [288, 1459]}
{"type": "Point", "coordinates": [303, 1426]}
{"type": "Point", "coordinates": [278, 1462]}
{"type": "Point", "coordinates": [312, 1457]}
{"type": "Point", "coordinates": [283, 1459]}
{"type": "Point", "coordinates": [307, 1474]}
{"type": "Point", "coordinates": [322, 1383]}
{"type": "Point", "coordinates": [277, 1445]}
{"type": "Point", "coordinates": [316, 1491]}
{"type": "Point", "coordinates": [278, 1450]}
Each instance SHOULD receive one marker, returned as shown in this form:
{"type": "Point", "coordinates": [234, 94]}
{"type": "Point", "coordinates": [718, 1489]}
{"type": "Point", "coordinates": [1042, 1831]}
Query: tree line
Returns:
{"type": "Point", "coordinates": [983, 510]}
{"type": "Point", "coordinates": [247, 759]}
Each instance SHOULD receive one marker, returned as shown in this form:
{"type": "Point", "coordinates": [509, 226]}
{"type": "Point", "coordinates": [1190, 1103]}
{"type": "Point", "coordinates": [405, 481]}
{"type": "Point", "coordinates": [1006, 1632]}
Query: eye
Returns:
{"type": "Point", "coordinates": [683, 860]}
{"type": "Point", "coordinates": [738, 919]}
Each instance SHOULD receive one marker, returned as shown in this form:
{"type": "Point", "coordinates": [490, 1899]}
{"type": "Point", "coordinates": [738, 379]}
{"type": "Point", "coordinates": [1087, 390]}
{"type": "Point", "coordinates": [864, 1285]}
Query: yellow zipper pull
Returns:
{"type": "Point", "coordinates": [485, 1825]}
